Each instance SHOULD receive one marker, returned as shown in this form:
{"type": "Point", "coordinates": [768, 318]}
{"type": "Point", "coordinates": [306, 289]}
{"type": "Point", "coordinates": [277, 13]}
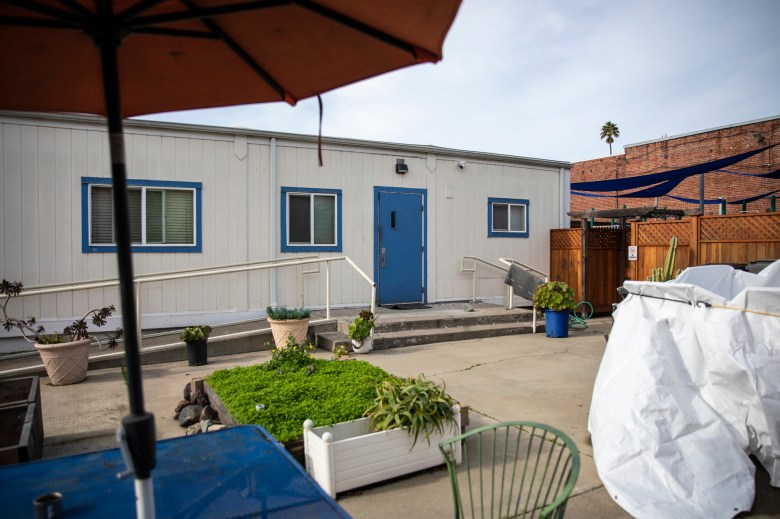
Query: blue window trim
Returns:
{"type": "Point", "coordinates": [101, 181]}
{"type": "Point", "coordinates": [508, 234]}
{"type": "Point", "coordinates": [407, 191]}
{"type": "Point", "coordinates": [285, 247]}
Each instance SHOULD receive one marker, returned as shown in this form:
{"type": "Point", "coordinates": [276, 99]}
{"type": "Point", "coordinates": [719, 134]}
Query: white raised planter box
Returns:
{"type": "Point", "coordinates": [349, 455]}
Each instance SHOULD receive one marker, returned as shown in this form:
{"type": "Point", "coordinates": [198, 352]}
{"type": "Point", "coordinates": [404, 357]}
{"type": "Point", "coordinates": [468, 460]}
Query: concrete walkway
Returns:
{"type": "Point", "coordinates": [521, 377]}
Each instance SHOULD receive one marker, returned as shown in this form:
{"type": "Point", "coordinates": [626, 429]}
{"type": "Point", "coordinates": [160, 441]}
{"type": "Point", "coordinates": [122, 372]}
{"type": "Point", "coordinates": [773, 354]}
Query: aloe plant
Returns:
{"type": "Point", "coordinates": [420, 405]}
{"type": "Point", "coordinates": [667, 272]}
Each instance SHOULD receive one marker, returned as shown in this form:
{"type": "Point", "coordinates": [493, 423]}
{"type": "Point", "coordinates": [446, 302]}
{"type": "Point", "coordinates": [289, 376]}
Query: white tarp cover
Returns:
{"type": "Point", "coordinates": [689, 386]}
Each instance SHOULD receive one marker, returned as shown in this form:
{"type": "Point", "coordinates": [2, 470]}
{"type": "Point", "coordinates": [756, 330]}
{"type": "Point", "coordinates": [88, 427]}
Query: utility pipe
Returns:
{"type": "Point", "coordinates": [272, 219]}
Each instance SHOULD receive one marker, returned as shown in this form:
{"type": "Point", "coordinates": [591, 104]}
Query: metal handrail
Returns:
{"type": "Point", "coordinates": [508, 262]}
{"type": "Point", "coordinates": [473, 270]}
{"type": "Point", "coordinates": [213, 271]}
{"type": "Point", "coordinates": [510, 293]}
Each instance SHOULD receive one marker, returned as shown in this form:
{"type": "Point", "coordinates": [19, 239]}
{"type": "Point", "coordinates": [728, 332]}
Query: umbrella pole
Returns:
{"type": "Point", "coordinates": [138, 425]}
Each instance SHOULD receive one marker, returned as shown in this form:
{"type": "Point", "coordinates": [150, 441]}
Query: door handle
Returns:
{"type": "Point", "coordinates": [382, 256]}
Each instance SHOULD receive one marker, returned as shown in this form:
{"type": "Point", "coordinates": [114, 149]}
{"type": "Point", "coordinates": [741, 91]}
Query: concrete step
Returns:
{"type": "Point", "coordinates": [396, 324]}
{"type": "Point", "coordinates": [446, 331]}
{"type": "Point", "coordinates": [330, 340]}
{"type": "Point", "coordinates": [442, 323]}
{"type": "Point", "coordinates": [416, 337]}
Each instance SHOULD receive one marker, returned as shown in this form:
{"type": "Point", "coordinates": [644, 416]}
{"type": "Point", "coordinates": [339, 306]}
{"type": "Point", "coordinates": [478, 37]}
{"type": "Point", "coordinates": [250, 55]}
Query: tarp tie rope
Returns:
{"type": "Point", "coordinates": [757, 312]}
{"type": "Point", "coordinates": [709, 305]}
{"type": "Point", "coordinates": [319, 135]}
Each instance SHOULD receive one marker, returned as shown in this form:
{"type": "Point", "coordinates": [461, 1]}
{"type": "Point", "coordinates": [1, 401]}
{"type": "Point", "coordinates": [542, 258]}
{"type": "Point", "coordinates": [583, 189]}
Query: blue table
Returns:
{"type": "Point", "coordinates": [236, 472]}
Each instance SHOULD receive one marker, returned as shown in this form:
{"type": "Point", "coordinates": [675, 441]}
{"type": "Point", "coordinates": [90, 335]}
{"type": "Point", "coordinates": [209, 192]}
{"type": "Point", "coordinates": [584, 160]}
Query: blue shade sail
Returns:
{"type": "Point", "coordinates": [621, 184]}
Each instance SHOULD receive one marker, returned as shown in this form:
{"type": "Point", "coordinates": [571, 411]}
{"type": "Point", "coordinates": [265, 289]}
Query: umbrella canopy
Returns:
{"type": "Point", "coordinates": [177, 55]}
{"type": "Point", "coordinates": [123, 58]}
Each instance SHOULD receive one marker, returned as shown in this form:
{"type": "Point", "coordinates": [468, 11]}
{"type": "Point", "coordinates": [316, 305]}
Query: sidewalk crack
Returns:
{"type": "Point", "coordinates": [565, 350]}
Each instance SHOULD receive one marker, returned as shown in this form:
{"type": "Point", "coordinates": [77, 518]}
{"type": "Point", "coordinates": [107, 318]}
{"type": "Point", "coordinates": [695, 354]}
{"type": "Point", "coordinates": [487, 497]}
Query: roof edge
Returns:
{"type": "Point", "coordinates": [343, 141]}
{"type": "Point", "coordinates": [698, 132]}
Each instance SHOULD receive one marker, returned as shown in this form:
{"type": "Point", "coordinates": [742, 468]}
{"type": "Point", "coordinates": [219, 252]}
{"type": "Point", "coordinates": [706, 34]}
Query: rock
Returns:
{"type": "Point", "coordinates": [188, 391]}
{"type": "Point", "coordinates": [204, 425]}
{"type": "Point", "coordinates": [468, 308]}
{"type": "Point", "coordinates": [193, 429]}
{"type": "Point", "coordinates": [190, 415]}
{"type": "Point", "coordinates": [217, 427]}
{"type": "Point", "coordinates": [200, 398]}
{"type": "Point", "coordinates": [182, 404]}
{"type": "Point", "coordinates": [208, 413]}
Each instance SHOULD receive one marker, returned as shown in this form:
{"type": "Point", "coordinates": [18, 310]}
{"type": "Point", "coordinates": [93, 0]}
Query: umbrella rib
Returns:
{"type": "Point", "coordinates": [57, 14]}
{"type": "Point", "coordinates": [203, 12]}
{"type": "Point", "coordinates": [77, 8]}
{"type": "Point", "coordinates": [181, 33]}
{"type": "Point", "coordinates": [418, 52]}
{"type": "Point", "coordinates": [242, 54]}
{"type": "Point", "coordinates": [134, 10]}
{"type": "Point", "coordinates": [20, 21]}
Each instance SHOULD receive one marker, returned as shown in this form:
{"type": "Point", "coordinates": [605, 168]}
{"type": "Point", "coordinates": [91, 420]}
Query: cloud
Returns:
{"type": "Point", "coordinates": [539, 78]}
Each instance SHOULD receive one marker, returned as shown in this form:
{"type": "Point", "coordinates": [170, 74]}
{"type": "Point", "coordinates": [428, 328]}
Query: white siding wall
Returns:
{"type": "Point", "coordinates": [41, 224]}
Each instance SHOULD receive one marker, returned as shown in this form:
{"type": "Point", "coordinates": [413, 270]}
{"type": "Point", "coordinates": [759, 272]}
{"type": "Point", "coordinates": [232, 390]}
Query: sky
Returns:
{"type": "Point", "coordinates": [539, 78]}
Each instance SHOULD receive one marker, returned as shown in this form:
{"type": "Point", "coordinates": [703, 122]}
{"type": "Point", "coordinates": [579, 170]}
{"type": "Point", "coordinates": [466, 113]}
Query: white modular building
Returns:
{"type": "Point", "coordinates": [204, 197]}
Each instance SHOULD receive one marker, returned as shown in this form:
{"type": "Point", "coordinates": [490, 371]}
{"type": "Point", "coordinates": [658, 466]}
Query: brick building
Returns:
{"type": "Point", "coordinates": [687, 150]}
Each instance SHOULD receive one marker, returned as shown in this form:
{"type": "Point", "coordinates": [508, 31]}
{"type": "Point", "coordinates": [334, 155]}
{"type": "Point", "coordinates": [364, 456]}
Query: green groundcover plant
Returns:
{"type": "Point", "coordinates": [293, 387]}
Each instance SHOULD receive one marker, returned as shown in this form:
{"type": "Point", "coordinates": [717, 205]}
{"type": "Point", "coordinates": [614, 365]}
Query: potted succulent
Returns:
{"type": "Point", "coordinates": [65, 355]}
{"type": "Point", "coordinates": [359, 332]}
{"type": "Point", "coordinates": [556, 299]}
{"type": "Point", "coordinates": [385, 443]}
{"type": "Point", "coordinates": [197, 338]}
{"type": "Point", "coordinates": [288, 322]}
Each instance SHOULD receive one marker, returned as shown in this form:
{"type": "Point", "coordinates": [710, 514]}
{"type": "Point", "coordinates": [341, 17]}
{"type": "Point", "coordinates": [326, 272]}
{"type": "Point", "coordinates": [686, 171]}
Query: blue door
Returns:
{"type": "Point", "coordinates": [400, 245]}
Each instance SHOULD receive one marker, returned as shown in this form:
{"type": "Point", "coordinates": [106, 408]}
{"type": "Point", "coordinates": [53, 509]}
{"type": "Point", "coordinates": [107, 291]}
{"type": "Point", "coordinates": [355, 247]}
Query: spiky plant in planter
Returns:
{"type": "Point", "coordinates": [420, 405]}
{"type": "Point", "coordinates": [66, 354]}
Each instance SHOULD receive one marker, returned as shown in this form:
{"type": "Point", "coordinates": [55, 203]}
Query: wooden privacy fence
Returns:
{"type": "Point", "coordinates": [601, 251]}
{"type": "Point", "coordinates": [705, 240]}
{"type": "Point", "coordinates": [701, 240]}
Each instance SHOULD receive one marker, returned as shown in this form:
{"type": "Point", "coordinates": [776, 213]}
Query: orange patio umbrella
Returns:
{"type": "Point", "coordinates": [131, 57]}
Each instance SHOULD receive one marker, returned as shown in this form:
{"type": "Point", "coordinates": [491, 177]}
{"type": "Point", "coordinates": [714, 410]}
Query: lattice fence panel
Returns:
{"type": "Point", "coordinates": [764, 227]}
{"type": "Point", "coordinates": [659, 233]}
{"type": "Point", "coordinates": [604, 238]}
{"type": "Point", "coordinates": [565, 239]}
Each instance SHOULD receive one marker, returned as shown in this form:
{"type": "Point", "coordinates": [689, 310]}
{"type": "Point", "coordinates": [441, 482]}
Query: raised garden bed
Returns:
{"type": "Point", "coordinates": [349, 455]}
{"type": "Point", "coordinates": [332, 392]}
{"type": "Point", "coordinates": [21, 420]}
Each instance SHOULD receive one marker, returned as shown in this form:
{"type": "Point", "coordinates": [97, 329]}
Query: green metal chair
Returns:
{"type": "Point", "coordinates": [512, 469]}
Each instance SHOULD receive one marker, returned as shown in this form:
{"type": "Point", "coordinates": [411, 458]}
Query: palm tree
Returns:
{"type": "Point", "coordinates": [610, 131]}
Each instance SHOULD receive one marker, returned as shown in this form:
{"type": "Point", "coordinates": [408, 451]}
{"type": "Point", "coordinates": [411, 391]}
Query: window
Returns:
{"type": "Point", "coordinates": [164, 215]}
{"type": "Point", "coordinates": [507, 218]}
{"type": "Point", "coordinates": [311, 220]}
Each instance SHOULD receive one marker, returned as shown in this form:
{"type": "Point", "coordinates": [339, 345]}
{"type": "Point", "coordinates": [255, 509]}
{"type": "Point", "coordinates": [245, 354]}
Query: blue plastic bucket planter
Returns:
{"type": "Point", "coordinates": [556, 323]}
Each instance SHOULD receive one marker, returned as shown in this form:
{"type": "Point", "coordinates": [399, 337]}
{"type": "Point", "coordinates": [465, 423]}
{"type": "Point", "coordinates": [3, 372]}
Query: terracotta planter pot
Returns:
{"type": "Point", "coordinates": [66, 363]}
{"type": "Point", "coordinates": [296, 328]}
